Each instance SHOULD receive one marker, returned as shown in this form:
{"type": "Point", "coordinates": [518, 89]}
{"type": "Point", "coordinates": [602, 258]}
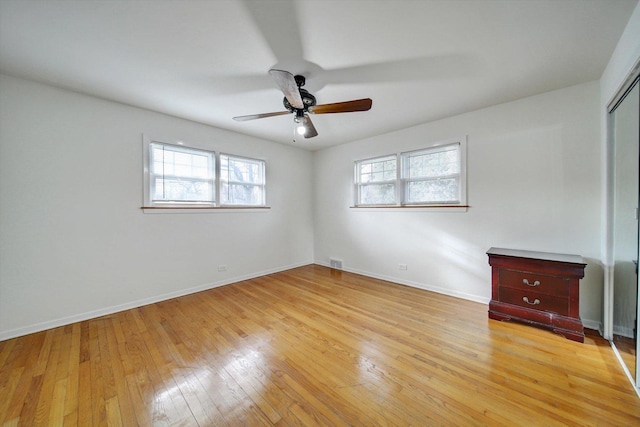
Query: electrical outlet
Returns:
{"type": "Point", "coordinates": [402, 266]}
{"type": "Point", "coordinates": [222, 268]}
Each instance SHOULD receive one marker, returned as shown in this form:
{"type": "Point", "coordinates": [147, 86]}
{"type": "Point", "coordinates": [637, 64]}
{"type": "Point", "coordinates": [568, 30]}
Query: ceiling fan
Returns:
{"type": "Point", "coordinates": [300, 102]}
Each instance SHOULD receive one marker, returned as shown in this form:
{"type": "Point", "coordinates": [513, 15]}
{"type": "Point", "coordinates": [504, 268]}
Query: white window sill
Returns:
{"type": "Point", "coordinates": [413, 208]}
{"type": "Point", "coordinates": [205, 210]}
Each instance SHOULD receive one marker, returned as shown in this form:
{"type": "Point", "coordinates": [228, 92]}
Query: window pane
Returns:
{"type": "Point", "coordinates": [376, 181]}
{"type": "Point", "coordinates": [239, 194]}
{"type": "Point", "coordinates": [436, 163]}
{"type": "Point", "coordinates": [378, 194]}
{"type": "Point", "coordinates": [432, 175]}
{"type": "Point", "coordinates": [377, 170]}
{"type": "Point", "coordinates": [431, 191]}
{"type": "Point", "coordinates": [182, 190]}
{"type": "Point", "coordinates": [182, 162]}
{"type": "Point", "coordinates": [242, 181]}
{"type": "Point", "coordinates": [180, 174]}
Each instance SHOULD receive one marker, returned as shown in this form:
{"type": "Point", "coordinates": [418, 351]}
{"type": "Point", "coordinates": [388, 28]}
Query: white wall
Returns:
{"type": "Point", "coordinates": [533, 183]}
{"type": "Point", "coordinates": [74, 242]}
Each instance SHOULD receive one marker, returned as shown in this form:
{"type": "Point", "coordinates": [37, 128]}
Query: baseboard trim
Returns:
{"type": "Point", "coordinates": [63, 321]}
{"type": "Point", "coordinates": [593, 324]}
{"type": "Point", "coordinates": [589, 324]}
{"type": "Point", "coordinates": [13, 333]}
{"type": "Point", "coordinates": [444, 291]}
{"type": "Point", "coordinates": [623, 331]}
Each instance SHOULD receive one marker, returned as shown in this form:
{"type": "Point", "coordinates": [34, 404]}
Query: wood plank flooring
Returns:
{"type": "Point", "coordinates": [310, 346]}
{"type": "Point", "coordinates": [627, 349]}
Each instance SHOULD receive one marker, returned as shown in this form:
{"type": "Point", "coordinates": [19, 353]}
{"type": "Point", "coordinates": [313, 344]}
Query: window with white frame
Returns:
{"type": "Point", "coordinates": [242, 181]}
{"type": "Point", "coordinates": [176, 175]}
{"type": "Point", "coordinates": [432, 176]}
{"type": "Point", "coordinates": [376, 181]}
{"type": "Point", "coordinates": [180, 175]}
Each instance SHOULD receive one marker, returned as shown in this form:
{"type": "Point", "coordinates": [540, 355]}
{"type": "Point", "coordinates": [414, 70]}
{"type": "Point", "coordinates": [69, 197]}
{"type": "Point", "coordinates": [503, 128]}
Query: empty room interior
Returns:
{"type": "Point", "coordinates": [306, 212]}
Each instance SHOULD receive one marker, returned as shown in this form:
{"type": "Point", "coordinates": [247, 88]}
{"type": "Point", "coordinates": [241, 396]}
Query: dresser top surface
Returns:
{"type": "Point", "coordinates": [547, 256]}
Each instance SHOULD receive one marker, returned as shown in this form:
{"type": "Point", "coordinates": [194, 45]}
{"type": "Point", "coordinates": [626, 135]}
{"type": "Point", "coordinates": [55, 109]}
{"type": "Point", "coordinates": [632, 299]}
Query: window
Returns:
{"type": "Point", "coordinates": [242, 181]}
{"type": "Point", "coordinates": [376, 181]}
{"type": "Point", "coordinates": [432, 176]}
{"type": "Point", "coordinates": [180, 176]}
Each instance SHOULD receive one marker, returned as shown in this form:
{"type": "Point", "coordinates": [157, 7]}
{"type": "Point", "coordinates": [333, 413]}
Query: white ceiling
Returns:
{"type": "Point", "coordinates": [207, 61]}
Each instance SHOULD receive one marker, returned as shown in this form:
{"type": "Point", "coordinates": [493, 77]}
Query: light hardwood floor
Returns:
{"type": "Point", "coordinates": [310, 346]}
{"type": "Point", "coordinates": [627, 349]}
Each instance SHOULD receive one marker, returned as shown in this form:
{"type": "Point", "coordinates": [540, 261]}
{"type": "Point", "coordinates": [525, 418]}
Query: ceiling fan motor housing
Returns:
{"type": "Point", "coordinates": [307, 99]}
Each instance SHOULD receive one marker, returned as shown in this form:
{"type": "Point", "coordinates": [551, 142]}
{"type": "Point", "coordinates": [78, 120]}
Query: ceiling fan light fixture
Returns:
{"type": "Point", "coordinates": [300, 122]}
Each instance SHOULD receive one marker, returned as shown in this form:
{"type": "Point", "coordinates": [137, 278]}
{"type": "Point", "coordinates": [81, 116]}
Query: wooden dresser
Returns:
{"type": "Point", "coordinates": [537, 288]}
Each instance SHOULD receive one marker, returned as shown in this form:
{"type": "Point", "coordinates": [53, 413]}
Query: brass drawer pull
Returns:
{"type": "Point", "coordinates": [535, 301]}
{"type": "Point", "coordinates": [526, 282]}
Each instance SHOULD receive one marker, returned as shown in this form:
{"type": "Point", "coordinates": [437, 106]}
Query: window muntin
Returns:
{"type": "Point", "coordinates": [376, 181]}
{"type": "Point", "coordinates": [242, 181]}
{"type": "Point", "coordinates": [432, 175]}
{"type": "Point", "coordinates": [180, 175]}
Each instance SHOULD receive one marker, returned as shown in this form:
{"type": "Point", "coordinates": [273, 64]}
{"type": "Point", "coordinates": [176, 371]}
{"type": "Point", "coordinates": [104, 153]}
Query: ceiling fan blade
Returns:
{"type": "Point", "coordinates": [259, 116]}
{"type": "Point", "coordinates": [285, 41]}
{"type": "Point", "coordinates": [310, 128]}
{"type": "Point", "coordinates": [287, 84]}
{"type": "Point", "coordinates": [343, 107]}
{"type": "Point", "coordinates": [421, 69]}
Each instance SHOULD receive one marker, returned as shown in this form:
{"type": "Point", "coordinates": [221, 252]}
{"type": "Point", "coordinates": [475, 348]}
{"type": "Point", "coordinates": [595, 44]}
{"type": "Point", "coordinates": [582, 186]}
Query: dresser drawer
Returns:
{"type": "Point", "coordinates": [540, 283]}
{"type": "Point", "coordinates": [534, 300]}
